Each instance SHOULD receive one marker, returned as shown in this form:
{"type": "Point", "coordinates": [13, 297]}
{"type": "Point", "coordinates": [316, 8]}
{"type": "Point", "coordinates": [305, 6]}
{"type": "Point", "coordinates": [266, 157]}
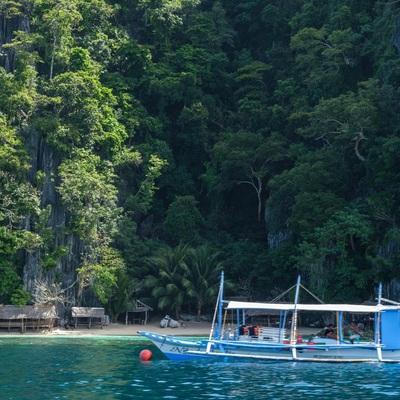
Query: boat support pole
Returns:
{"type": "Point", "coordinates": [293, 330]}
{"type": "Point", "coordinates": [218, 308]}
{"type": "Point", "coordinates": [378, 326]}
{"type": "Point", "coordinates": [238, 323]}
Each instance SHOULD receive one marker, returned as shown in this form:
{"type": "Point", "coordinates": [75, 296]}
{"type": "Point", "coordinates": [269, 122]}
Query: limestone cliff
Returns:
{"type": "Point", "coordinates": [42, 158]}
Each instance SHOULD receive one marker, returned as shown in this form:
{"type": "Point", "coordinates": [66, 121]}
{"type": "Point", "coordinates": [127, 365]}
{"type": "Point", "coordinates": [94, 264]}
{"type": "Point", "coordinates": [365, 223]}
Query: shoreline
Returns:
{"type": "Point", "coordinates": [116, 329]}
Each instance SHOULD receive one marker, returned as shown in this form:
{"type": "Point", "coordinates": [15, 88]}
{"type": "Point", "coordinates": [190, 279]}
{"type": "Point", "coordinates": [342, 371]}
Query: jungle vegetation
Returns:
{"type": "Point", "coordinates": [145, 145]}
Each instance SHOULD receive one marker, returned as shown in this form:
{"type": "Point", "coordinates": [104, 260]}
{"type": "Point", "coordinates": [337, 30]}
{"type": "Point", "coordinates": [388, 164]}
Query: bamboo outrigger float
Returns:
{"type": "Point", "coordinates": [277, 343]}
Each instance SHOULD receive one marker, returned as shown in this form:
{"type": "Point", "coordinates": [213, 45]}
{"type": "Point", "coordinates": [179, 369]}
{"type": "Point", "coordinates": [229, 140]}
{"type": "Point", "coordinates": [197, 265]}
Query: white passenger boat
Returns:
{"type": "Point", "coordinates": [283, 342]}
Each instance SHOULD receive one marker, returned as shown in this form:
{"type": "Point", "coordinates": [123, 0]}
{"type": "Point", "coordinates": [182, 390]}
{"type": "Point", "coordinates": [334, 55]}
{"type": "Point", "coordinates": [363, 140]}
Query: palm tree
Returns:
{"type": "Point", "coordinates": [169, 278]}
{"type": "Point", "coordinates": [203, 283]}
{"type": "Point", "coordinates": [126, 290]}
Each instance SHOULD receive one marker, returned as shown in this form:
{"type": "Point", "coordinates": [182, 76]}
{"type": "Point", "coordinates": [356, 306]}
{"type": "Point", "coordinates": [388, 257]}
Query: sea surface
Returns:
{"type": "Point", "coordinates": [110, 368]}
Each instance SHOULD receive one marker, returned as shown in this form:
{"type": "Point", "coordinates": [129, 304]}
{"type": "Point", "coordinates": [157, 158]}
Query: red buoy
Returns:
{"type": "Point", "coordinates": [145, 355]}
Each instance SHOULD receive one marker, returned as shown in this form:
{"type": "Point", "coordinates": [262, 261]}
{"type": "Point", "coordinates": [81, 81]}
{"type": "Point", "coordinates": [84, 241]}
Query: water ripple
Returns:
{"type": "Point", "coordinates": [59, 368]}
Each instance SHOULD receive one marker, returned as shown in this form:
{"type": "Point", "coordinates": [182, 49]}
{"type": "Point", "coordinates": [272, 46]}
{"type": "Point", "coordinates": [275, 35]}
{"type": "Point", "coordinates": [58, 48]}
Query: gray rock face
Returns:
{"type": "Point", "coordinates": [43, 159]}
{"type": "Point", "coordinates": [8, 25]}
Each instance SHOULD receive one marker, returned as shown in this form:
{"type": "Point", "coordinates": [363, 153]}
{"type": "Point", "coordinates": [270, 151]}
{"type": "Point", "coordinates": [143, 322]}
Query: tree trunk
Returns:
{"type": "Point", "coordinates": [259, 190]}
{"type": "Point", "coordinates": [53, 55]}
{"type": "Point", "coordinates": [198, 313]}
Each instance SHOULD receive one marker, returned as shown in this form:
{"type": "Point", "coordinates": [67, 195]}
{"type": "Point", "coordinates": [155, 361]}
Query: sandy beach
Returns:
{"type": "Point", "coordinates": [119, 329]}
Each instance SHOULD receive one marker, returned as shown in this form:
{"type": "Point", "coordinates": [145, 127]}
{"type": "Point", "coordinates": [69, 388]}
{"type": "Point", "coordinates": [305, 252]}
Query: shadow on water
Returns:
{"type": "Point", "coordinates": [110, 368]}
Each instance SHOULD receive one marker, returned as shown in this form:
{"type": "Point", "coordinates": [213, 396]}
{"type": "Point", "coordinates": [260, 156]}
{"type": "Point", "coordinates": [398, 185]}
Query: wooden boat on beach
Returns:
{"type": "Point", "coordinates": [283, 342]}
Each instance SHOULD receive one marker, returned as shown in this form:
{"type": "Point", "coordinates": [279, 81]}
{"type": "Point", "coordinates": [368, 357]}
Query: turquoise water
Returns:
{"type": "Point", "coordinates": [109, 368]}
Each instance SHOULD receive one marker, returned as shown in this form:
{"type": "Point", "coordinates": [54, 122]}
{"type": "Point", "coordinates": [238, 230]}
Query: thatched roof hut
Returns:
{"type": "Point", "coordinates": [23, 317]}
{"type": "Point", "coordinates": [27, 312]}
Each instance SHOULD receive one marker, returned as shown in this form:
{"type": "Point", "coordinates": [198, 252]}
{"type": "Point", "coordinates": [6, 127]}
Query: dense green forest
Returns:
{"type": "Point", "coordinates": [147, 144]}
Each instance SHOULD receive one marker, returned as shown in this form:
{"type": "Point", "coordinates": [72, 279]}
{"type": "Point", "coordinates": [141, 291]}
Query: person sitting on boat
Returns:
{"type": "Point", "coordinates": [330, 332]}
{"type": "Point", "coordinates": [354, 332]}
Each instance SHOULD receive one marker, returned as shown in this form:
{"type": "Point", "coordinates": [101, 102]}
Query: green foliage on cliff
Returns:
{"type": "Point", "coordinates": [265, 128]}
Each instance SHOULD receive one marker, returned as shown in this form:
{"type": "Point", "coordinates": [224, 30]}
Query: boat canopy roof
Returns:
{"type": "Point", "coordinates": [353, 308]}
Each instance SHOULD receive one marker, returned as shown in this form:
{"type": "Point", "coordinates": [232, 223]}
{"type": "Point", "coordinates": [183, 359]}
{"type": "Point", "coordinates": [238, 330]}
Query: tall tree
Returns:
{"type": "Point", "coordinates": [245, 158]}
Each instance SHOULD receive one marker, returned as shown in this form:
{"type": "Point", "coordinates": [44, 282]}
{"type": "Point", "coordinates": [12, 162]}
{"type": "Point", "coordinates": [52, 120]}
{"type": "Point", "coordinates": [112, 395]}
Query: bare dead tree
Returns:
{"type": "Point", "coordinates": [51, 293]}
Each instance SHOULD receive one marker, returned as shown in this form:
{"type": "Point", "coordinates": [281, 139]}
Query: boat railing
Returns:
{"type": "Point", "coordinates": [264, 334]}
{"type": "Point", "coordinates": [275, 335]}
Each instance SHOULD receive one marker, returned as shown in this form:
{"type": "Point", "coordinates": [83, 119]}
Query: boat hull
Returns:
{"type": "Point", "coordinates": [317, 351]}
{"type": "Point", "coordinates": [175, 348]}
